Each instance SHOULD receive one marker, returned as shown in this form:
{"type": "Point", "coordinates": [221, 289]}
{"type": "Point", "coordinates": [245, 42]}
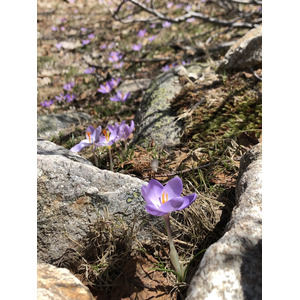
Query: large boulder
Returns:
{"type": "Point", "coordinates": [155, 118]}
{"type": "Point", "coordinates": [50, 125]}
{"type": "Point", "coordinates": [231, 268]}
{"type": "Point", "coordinates": [245, 53]}
{"type": "Point", "coordinates": [72, 193]}
{"type": "Point", "coordinates": [59, 284]}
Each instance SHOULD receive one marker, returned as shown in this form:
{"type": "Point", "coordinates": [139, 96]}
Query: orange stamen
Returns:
{"type": "Point", "coordinates": [106, 133]}
{"type": "Point", "coordinates": [163, 197]}
{"type": "Point", "coordinates": [89, 135]}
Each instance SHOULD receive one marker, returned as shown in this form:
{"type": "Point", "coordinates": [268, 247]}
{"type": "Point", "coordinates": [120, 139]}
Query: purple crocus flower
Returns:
{"type": "Point", "coordinates": [68, 86]}
{"type": "Point", "coordinates": [85, 42]}
{"type": "Point", "coordinates": [103, 47]}
{"type": "Point", "coordinates": [151, 38]}
{"type": "Point", "coordinates": [91, 36]}
{"type": "Point", "coordinates": [190, 20]}
{"type": "Point", "coordinates": [83, 29]}
{"type": "Point", "coordinates": [58, 46]}
{"type": "Point", "coordinates": [61, 97]}
{"type": "Point", "coordinates": [47, 103]}
{"type": "Point", "coordinates": [89, 70]}
{"type": "Point", "coordinates": [63, 19]}
{"type": "Point", "coordinates": [53, 28]}
{"type": "Point", "coordinates": [114, 82]}
{"type": "Point", "coordinates": [70, 97]}
{"type": "Point", "coordinates": [141, 33]}
{"type": "Point", "coordinates": [137, 47]}
{"type": "Point", "coordinates": [114, 56]}
{"type": "Point", "coordinates": [62, 28]}
{"type": "Point", "coordinates": [118, 65]}
{"type": "Point", "coordinates": [168, 67]}
{"type": "Point", "coordinates": [105, 88]}
{"type": "Point", "coordinates": [125, 131]}
{"type": "Point", "coordinates": [185, 62]}
{"type": "Point", "coordinates": [92, 138]}
{"type": "Point", "coordinates": [188, 7]}
{"type": "Point", "coordinates": [166, 24]}
{"type": "Point", "coordinates": [170, 4]}
{"type": "Point", "coordinates": [153, 25]}
{"type": "Point", "coordinates": [161, 200]}
{"type": "Point", "coordinates": [108, 137]}
{"type": "Point", "coordinates": [120, 97]}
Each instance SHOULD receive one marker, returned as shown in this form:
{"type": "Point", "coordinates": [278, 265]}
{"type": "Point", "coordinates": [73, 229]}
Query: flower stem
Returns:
{"type": "Point", "coordinates": [110, 159]}
{"type": "Point", "coordinates": [95, 156]}
{"type": "Point", "coordinates": [173, 253]}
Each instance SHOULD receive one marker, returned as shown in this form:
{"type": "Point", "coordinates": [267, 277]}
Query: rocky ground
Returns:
{"type": "Point", "coordinates": [195, 120]}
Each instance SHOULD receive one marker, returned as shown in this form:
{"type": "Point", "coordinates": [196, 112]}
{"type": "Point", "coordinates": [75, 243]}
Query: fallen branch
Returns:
{"type": "Point", "coordinates": [160, 16]}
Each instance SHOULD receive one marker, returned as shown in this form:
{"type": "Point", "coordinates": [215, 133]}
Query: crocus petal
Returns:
{"type": "Point", "coordinates": [131, 126]}
{"type": "Point", "coordinates": [178, 203]}
{"type": "Point", "coordinates": [80, 146]}
{"type": "Point", "coordinates": [95, 134]}
{"type": "Point", "coordinates": [153, 210]}
{"type": "Point", "coordinates": [90, 129]}
{"type": "Point", "coordinates": [173, 187]}
{"type": "Point", "coordinates": [111, 127]}
{"type": "Point", "coordinates": [152, 192]}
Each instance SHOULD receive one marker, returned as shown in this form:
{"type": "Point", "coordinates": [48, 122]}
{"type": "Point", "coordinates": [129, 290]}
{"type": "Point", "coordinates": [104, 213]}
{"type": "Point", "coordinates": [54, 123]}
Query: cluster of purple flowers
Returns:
{"type": "Point", "coordinates": [88, 40]}
{"type": "Point", "coordinates": [115, 56]}
{"type": "Point", "coordinates": [120, 96]}
{"type": "Point", "coordinates": [101, 137]}
{"type": "Point", "coordinates": [109, 85]}
{"type": "Point", "coordinates": [47, 103]}
{"type": "Point", "coordinates": [69, 97]}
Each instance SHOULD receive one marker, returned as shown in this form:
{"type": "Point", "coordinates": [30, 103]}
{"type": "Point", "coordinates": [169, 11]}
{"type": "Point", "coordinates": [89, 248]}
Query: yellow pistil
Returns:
{"type": "Point", "coordinates": [106, 133]}
{"type": "Point", "coordinates": [163, 197]}
{"type": "Point", "coordinates": [89, 135]}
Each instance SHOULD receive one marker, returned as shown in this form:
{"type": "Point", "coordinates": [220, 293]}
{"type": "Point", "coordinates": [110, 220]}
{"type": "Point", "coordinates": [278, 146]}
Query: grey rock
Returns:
{"type": "Point", "coordinates": [245, 53]}
{"type": "Point", "coordinates": [59, 284]}
{"type": "Point", "coordinates": [231, 268]}
{"type": "Point", "coordinates": [155, 119]}
{"type": "Point", "coordinates": [47, 148]}
{"type": "Point", "coordinates": [50, 125]}
{"type": "Point", "coordinates": [71, 193]}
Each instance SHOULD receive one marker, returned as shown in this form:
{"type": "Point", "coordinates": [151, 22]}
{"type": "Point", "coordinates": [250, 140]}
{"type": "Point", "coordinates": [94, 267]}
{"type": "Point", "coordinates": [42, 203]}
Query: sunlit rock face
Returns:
{"type": "Point", "coordinates": [232, 267]}
{"type": "Point", "coordinates": [72, 193]}
{"type": "Point", "coordinates": [59, 284]}
{"type": "Point", "coordinates": [245, 53]}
